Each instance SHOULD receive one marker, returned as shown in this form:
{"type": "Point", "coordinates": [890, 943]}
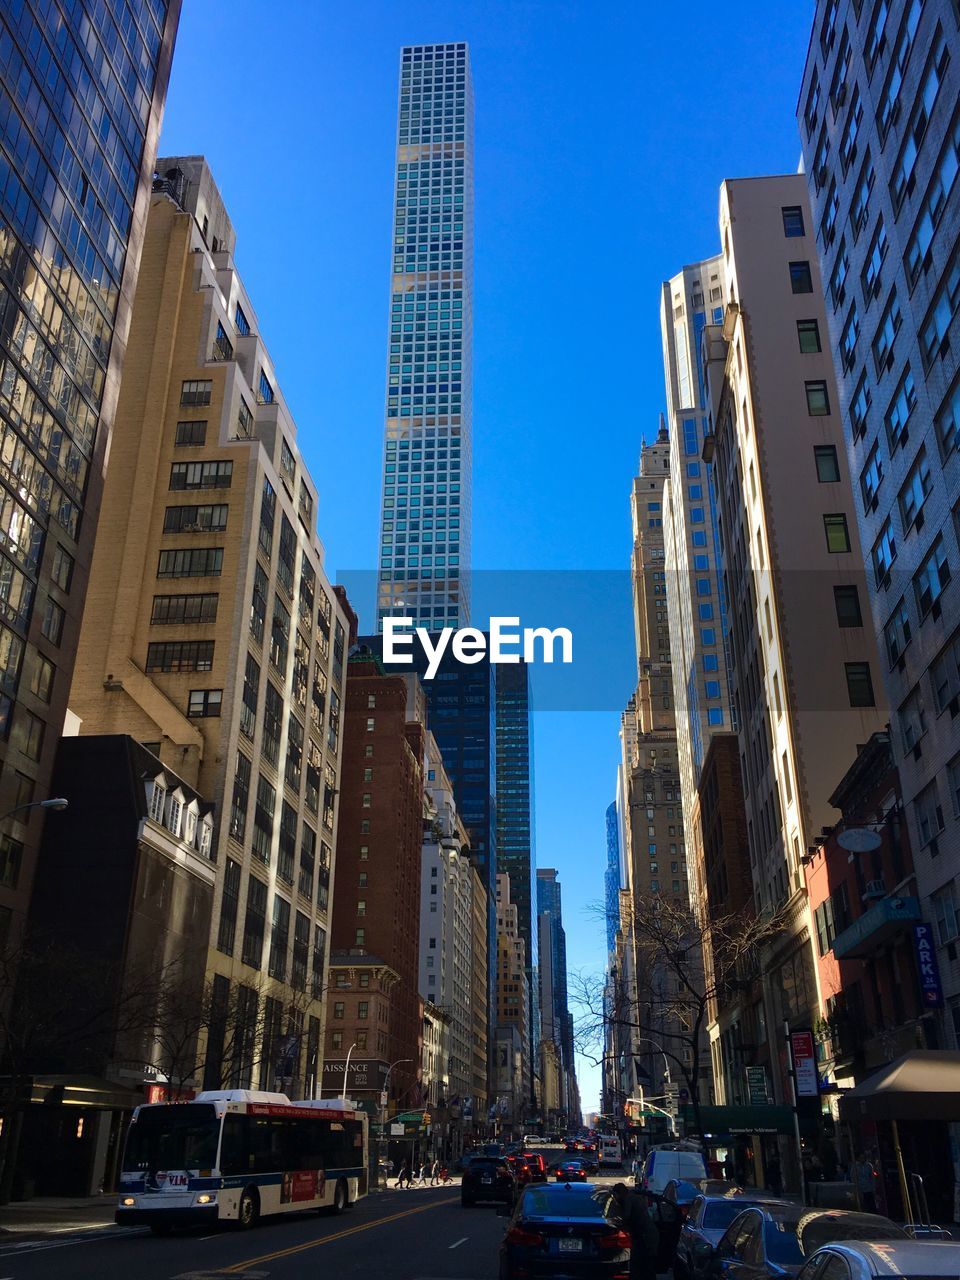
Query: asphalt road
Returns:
{"type": "Point", "coordinates": [420, 1234]}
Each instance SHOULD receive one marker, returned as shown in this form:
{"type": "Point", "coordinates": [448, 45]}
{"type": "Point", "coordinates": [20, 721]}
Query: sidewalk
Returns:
{"type": "Point", "coordinates": [55, 1215]}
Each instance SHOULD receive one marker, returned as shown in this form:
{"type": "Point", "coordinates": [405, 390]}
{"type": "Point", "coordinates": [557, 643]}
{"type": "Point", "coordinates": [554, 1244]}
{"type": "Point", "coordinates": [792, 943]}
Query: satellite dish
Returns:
{"type": "Point", "coordinates": [859, 840]}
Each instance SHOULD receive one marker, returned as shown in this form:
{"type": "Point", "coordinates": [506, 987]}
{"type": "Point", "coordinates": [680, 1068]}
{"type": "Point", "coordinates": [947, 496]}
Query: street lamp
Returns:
{"type": "Point", "coordinates": [383, 1116]}
{"type": "Point", "coordinates": [57, 804]}
{"type": "Point", "coordinates": [346, 1072]}
{"type": "Point", "coordinates": [666, 1070]}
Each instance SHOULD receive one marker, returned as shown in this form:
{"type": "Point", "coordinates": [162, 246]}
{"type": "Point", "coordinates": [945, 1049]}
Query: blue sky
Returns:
{"type": "Point", "coordinates": [603, 132]}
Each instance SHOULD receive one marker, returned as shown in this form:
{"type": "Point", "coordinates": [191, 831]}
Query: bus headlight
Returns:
{"type": "Point", "coordinates": [204, 1199]}
{"type": "Point", "coordinates": [128, 1201]}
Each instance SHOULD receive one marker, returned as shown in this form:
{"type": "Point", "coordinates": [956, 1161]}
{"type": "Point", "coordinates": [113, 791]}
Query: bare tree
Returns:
{"type": "Point", "coordinates": [689, 964]}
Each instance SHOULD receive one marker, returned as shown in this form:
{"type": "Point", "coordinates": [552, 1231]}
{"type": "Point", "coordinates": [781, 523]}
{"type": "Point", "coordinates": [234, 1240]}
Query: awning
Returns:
{"type": "Point", "coordinates": [731, 1120]}
{"type": "Point", "coordinates": [921, 1085]}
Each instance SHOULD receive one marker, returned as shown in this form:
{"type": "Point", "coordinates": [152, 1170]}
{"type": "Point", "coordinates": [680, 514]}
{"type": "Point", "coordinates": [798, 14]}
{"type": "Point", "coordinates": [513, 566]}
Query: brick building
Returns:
{"type": "Point", "coordinates": [380, 835]}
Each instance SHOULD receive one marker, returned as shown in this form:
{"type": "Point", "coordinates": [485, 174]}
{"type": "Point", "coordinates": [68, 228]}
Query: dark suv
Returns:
{"type": "Point", "coordinates": [487, 1178]}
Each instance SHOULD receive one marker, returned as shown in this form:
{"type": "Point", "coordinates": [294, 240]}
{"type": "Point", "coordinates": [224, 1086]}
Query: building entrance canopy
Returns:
{"type": "Point", "coordinates": [921, 1085]}
{"type": "Point", "coordinates": [718, 1122]}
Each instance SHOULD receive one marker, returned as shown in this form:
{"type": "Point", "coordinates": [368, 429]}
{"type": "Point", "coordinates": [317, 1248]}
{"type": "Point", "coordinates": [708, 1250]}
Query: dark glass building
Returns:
{"type": "Point", "coordinates": [82, 87]}
{"type": "Point", "coordinates": [516, 850]}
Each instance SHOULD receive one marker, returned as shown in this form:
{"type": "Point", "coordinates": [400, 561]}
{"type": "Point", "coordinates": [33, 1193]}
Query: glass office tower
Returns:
{"type": "Point", "coordinates": [425, 525]}
{"type": "Point", "coordinates": [82, 88]}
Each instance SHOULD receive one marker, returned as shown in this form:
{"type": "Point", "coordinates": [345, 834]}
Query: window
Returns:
{"type": "Point", "coordinates": [293, 765]}
{"type": "Point", "coordinates": [884, 554]}
{"type": "Point", "coordinates": [244, 421]}
{"type": "Point", "coordinates": [847, 602]}
{"type": "Point", "coordinates": [885, 337]}
{"type": "Point", "coordinates": [268, 509]}
{"type": "Point", "coordinates": [287, 555]}
{"type": "Point", "coordinates": [248, 702]}
{"type": "Point", "coordinates": [308, 857]}
{"type": "Point", "coordinates": [912, 718]}
{"type": "Point", "coordinates": [205, 519]}
{"type": "Point", "coordinates": [901, 407]}
{"type": "Point", "coordinates": [838, 277]}
{"type": "Point", "coordinates": [945, 913]}
{"type": "Point", "coordinates": [849, 338]}
{"type": "Point", "coordinates": [301, 952]}
{"type": "Point", "coordinates": [792, 220]}
{"type": "Point", "coordinates": [229, 907]}
{"type": "Point", "coordinates": [918, 258]}
{"type": "Point", "coordinates": [264, 390]}
{"type": "Point", "coordinates": [801, 280]}
{"type": "Point", "coordinates": [29, 733]}
{"type": "Point", "coordinates": [860, 406]}
{"type": "Point", "coordinates": [204, 702]}
{"type": "Point", "coordinates": [263, 814]}
{"type": "Point", "coordinates": [953, 777]}
{"type": "Point", "coordinates": [914, 492]}
{"type": "Point", "coordinates": [860, 202]}
{"type": "Point", "coordinates": [931, 578]}
{"type": "Point", "coordinates": [897, 632]}
{"type": "Point", "coordinates": [835, 528]}
{"type": "Point", "coordinates": [808, 334]}
{"type": "Point", "coordinates": [818, 402]}
{"type": "Point", "coordinates": [338, 1009]}
{"type": "Point", "coordinates": [928, 814]}
{"type": "Point", "coordinates": [196, 394]}
{"type": "Point", "coordinates": [934, 339]}
{"type": "Point", "coordinates": [201, 475]}
{"type": "Point", "coordinates": [828, 467]}
{"type": "Point", "coordinates": [279, 938]}
{"type": "Point", "coordinates": [272, 723]}
{"type": "Point", "coordinates": [254, 923]}
{"type": "Point", "coordinates": [41, 682]}
{"type": "Point", "coordinates": [288, 464]}
{"type": "Point", "coordinates": [279, 635]}
{"type": "Point", "coordinates": [859, 684]}
{"type": "Point", "coordinates": [51, 625]}
{"type": "Point", "coordinates": [168, 610]}
{"type": "Point", "coordinates": [241, 322]}
{"type": "Point", "coordinates": [191, 562]}
{"type": "Point", "coordinates": [191, 433]}
{"type": "Point", "coordinates": [61, 570]}
{"type": "Point", "coordinates": [241, 798]}
{"type": "Point", "coordinates": [947, 421]}
{"type": "Point", "coordinates": [871, 478]}
{"type": "Point", "coordinates": [945, 676]}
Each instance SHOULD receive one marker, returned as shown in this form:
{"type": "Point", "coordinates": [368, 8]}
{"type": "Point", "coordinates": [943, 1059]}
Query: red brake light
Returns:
{"type": "Point", "coordinates": [529, 1239]}
{"type": "Point", "coordinates": [618, 1240]}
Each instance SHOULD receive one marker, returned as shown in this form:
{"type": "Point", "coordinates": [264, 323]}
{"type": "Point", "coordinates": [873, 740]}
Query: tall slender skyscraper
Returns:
{"type": "Point", "coordinates": [83, 88]}
{"type": "Point", "coordinates": [425, 524]}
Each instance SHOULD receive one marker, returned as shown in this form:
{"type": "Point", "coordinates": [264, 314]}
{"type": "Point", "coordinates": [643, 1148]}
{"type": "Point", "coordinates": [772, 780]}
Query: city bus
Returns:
{"type": "Point", "coordinates": [233, 1155]}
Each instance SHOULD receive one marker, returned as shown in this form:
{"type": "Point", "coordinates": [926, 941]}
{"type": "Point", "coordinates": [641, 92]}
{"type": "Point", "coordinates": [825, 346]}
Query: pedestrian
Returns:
{"type": "Point", "coordinates": [774, 1175]}
{"type": "Point", "coordinates": [403, 1177]}
{"type": "Point", "coordinates": [729, 1167]}
{"type": "Point", "coordinates": [862, 1175]}
{"type": "Point", "coordinates": [435, 1173]}
{"type": "Point", "coordinates": [422, 1175]}
{"type": "Point", "coordinates": [631, 1211]}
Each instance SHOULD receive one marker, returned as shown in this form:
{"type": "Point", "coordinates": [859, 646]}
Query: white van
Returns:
{"type": "Point", "coordinates": [664, 1163]}
{"type": "Point", "coordinates": [610, 1153]}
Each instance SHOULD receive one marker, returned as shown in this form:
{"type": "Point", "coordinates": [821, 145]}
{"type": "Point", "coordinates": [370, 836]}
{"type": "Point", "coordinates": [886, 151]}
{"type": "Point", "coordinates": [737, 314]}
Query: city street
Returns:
{"type": "Point", "coordinates": [420, 1234]}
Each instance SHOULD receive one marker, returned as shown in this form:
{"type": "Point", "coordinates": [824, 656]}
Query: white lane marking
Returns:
{"type": "Point", "coordinates": [460, 1242]}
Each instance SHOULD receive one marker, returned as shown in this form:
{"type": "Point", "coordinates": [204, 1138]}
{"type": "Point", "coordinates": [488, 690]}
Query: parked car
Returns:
{"type": "Point", "coordinates": [487, 1178]}
{"type": "Point", "coordinates": [682, 1194]}
{"type": "Point", "coordinates": [571, 1171]}
{"type": "Point", "coordinates": [772, 1240]}
{"type": "Point", "coordinates": [665, 1163]}
{"type": "Point", "coordinates": [707, 1219]}
{"type": "Point", "coordinates": [561, 1231]}
{"type": "Point", "coordinates": [863, 1260]}
{"type": "Point", "coordinates": [533, 1140]}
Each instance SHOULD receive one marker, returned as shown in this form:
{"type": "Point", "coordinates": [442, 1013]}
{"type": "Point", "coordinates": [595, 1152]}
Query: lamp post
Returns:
{"type": "Point", "coordinates": [383, 1118]}
{"type": "Point", "coordinates": [666, 1071]}
{"type": "Point", "coordinates": [56, 803]}
{"type": "Point", "coordinates": [346, 1072]}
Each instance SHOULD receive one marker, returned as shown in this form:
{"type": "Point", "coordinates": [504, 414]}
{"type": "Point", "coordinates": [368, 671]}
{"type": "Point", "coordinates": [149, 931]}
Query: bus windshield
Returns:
{"type": "Point", "coordinates": [172, 1137]}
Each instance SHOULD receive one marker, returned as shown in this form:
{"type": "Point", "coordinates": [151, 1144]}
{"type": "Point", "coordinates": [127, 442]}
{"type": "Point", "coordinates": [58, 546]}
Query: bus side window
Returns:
{"type": "Point", "coordinates": [317, 1136]}
{"type": "Point", "coordinates": [233, 1148]}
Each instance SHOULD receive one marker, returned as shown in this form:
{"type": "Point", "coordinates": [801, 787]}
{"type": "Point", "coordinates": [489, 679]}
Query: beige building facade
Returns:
{"type": "Point", "coordinates": [804, 679]}
{"type": "Point", "coordinates": [212, 633]}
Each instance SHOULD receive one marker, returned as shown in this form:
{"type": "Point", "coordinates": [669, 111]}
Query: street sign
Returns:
{"type": "Point", "coordinates": [859, 840]}
{"type": "Point", "coordinates": [931, 991]}
{"type": "Point", "coordinates": [757, 1085]}
{"type": "Point", "coordinates": [384, 1099]}
{"type": "Point", "coordinates": [397, 1130]}
{"type": "Point", "coordinates": [804, 1064]}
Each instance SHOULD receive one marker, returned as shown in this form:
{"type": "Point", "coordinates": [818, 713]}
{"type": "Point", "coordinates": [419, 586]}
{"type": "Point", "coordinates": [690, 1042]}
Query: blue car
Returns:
{"type": "Point", "coordinates": [559, 1232]}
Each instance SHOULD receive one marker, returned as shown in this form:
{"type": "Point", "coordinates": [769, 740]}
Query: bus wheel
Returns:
{"type": "Point", "coordinates": [248, 1212]}
{"type": "Point", "coordinates": [339, 1197]}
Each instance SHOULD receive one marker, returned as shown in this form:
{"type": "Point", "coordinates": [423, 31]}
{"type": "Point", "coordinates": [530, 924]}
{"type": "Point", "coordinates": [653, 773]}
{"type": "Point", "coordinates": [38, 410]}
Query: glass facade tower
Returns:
{"type": "Point", "coordinates": [516, 849]}
{"type": "Point", "coordinates": [425, 526]}
{"type": "Point", "coordinates": [82, 88]}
